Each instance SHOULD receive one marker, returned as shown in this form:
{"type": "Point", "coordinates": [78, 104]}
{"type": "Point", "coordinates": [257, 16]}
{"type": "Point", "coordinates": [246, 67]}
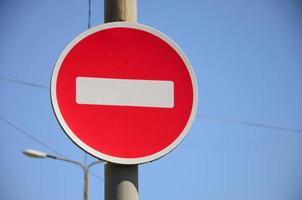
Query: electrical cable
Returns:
{"type": "Point", "coordinates": [88, 26]}
{"type": "Point", "coordinates": [250, 124]}
{"type": "Point", "coordinates": [24, 83]}
{"type": "Point", "coordinates": [30, 136]}
{"type": "Point", "coordinates": [20, 130]}
{"type": "Point", "coordinates": [259, 125]}
{"type": "Point", "coordinates": [89, 14]}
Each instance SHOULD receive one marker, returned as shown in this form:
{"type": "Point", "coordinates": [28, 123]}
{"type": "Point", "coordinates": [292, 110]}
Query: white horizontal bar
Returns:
{"type": "Point", "coordinates": [124, 92]}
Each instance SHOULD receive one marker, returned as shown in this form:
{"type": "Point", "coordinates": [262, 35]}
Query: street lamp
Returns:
{"type": "Point", "coordinates": [38, 154]}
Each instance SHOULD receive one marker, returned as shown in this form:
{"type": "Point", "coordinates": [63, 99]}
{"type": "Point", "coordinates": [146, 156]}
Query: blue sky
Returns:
{"type": "Point", "coordinates": [247, 59]}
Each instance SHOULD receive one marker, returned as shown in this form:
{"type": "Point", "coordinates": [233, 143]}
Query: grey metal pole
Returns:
{"type": "Point", "coordinates": [86, 184]}
{"type": "Point", "coordinates": [121, 181]}
{"type": "Point", "coordinates": [120, 10]}
{"type": "Point", "coordinates": [86, 178]}
{"type": "Point", "coordinates": [84, 167]}
{"type": "Point", "coordinates": [85, 172]}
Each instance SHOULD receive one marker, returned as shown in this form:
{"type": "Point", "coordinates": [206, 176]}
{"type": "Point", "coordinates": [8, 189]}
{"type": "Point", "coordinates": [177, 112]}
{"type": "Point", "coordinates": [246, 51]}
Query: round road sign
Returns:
{"type": "Point", "coordinates": [124, 92]}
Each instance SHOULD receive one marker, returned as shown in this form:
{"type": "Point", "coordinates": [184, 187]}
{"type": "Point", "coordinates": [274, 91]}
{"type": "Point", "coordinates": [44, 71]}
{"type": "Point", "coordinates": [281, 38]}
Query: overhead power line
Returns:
{"type": "Point", "coordinates": [88, 26]}
{"type": "Point", "coordinates": [259, 125]}
{"type": "Point", "coordinates": [89, 14]}
{"type": "Point", "coordinates": [24, 83]}
{"type": "Point", "coordinates": [30, 136]}
{"type": "Point", "coordinates": [20, 130]}
{"type": "Point", "coordinates": [240, 122]}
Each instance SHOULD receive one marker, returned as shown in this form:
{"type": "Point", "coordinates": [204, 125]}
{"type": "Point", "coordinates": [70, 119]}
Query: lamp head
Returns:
{"type": "Point", "coordinates": [34, 153]}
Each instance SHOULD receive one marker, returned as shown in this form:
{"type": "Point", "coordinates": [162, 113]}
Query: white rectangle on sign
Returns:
{"type": "Point", "coordinates": [124, 92]}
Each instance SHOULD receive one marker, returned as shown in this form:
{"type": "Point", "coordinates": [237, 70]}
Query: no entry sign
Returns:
{"type": "Point", "coordinates": [124, 93]}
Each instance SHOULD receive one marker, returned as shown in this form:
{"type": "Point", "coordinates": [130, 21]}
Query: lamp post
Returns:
{"type": "Point", "coordinates": [38, 154]}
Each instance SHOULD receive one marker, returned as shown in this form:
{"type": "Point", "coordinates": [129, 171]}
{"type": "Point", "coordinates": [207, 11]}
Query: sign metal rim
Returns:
{"type": "Point", "coordinates": [92, 151]}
